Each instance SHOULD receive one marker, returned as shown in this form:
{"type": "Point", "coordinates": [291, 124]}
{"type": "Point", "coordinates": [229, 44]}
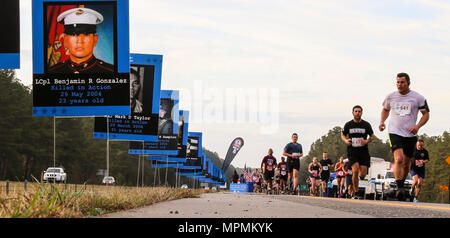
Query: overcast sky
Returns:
{"type": "Point", "coordinates": [318, 58]}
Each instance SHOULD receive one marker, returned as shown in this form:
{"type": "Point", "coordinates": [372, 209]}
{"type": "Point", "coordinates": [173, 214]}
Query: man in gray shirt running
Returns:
{"type": "Point", "coordinates": [403, 105]}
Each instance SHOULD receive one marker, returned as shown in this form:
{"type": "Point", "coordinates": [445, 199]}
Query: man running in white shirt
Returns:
{"type": "Point", "coordinates": [403, 105]}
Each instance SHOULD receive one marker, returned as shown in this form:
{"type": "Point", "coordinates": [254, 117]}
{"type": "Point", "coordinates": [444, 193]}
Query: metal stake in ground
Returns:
{"type": "Point", "coordinates": [54, 141]}
{"type": "Point", "coordinates": [143, 167]}
{"type": "Point", "coordinates": [107, 146]}
{"type": "Point", "coordinates": [167, 168]}
{"type": "Point", "coordinates": [139, 163]}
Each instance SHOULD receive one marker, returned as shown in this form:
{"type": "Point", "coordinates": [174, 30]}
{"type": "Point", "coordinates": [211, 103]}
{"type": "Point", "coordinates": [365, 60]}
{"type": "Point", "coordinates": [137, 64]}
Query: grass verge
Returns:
{"type": "Point", "coordinates": [51, 201]}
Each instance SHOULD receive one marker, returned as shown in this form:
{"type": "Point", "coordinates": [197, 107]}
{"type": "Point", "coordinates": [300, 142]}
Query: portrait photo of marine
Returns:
{"type": "Point", "coordinates": [73, 39]}
{"type": "Point", "coordinates": [136, 86]}
{"type": "Point", "coordinates": [165, 125]}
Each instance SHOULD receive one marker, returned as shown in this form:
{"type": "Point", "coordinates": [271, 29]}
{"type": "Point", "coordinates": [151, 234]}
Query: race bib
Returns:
{"type": "Point", "coordinates": [419, 163]}
{"type": "Point", "coordinates": [295, 154]}
{"type": "Point", "coordinates": [325, 168]}
{"type": "Point", "coordinates": [356, 142]}
{"type": "Point", "coordinates": [269, 168]}
{"type": "Point", "coordinates": [350, 172]}
{"type": "Point", "coordinates": [402, 108]}
{"type": "Point", "coordinates": [315, 173]}
{"type": "Point", "coordinates": [340, 173]}
{"type": "Point", "coordinates": [283, 173]}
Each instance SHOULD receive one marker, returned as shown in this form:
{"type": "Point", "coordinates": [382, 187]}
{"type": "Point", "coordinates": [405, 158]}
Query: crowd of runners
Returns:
{"type": "Point", "coordinates": [402, 106]}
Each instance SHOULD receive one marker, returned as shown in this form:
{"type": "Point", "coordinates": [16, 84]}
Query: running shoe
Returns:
{"type": "Point", "coordinates": [355, 197]}
{"type": "Point", "coordinates": [416, 200]}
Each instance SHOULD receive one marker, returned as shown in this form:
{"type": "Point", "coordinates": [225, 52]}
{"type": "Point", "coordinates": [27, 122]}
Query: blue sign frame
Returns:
{"type": "Point", "coordinates": [176, 165]}
{"type": "Point", "coordinates": [9, 60]}
{"type": "Point", "coordinates": [142, 59]}
{"type": "Point", "coordinates": [189, 173]}
{"type": "Point", "coordinates": [123, 54]}
{"type": "Point", "coordinates": [167, 159]}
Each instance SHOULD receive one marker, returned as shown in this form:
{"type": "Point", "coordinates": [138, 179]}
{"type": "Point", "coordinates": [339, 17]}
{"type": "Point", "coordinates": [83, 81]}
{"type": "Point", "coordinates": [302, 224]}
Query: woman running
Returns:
{"type": "Point", "coordinates": [348, 178]}
{"type": "Point", "coordinates": [340, 175]}
{"type": "Point", "coordinates": [314, 169]}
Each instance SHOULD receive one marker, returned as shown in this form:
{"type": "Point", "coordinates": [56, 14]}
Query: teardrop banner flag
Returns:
{"type": "Point", "coordinates": [235, 147]}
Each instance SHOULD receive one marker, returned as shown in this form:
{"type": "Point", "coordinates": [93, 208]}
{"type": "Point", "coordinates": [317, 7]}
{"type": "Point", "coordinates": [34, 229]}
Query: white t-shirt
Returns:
{"type": "Point", "coordinates": [403, 111]}
{"type": "Point", "coordinates": [335, 182]}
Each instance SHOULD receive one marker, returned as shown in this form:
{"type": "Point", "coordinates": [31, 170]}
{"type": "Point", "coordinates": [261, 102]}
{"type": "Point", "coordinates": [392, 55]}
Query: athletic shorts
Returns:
{"type": "Point", "coordinates": [348, 180]}
{"type": "Point", "coordinates": [418, 172]}
{"type": "Point", "coordinates": [268, 175]}
{"type": "Point", "coordinates": [325, 177]}
{"type": "Point", "coordinates": [285, 177]}
{"type": "Point", "coordinates": [360, 158]}
{"type": "Point", "coordinates": [408, 144]}
{"type": "Point", "coordinates": [293, 164]}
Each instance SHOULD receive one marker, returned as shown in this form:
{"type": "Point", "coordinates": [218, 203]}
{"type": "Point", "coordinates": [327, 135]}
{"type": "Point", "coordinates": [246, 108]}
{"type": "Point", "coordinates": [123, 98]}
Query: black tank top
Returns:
{"type": "Point", "coordinates": [317, 168]}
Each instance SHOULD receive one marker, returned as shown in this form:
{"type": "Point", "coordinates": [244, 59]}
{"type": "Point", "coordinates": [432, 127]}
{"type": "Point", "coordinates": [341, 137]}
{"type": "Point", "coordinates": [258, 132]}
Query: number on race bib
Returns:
{"type": "Point", "coordinates": [402, 108]}
{"type": "Point", "coordinates": [356, 142]}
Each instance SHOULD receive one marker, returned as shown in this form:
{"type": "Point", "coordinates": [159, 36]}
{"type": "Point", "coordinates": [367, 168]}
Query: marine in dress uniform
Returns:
{"type": "Point", "coordinates": [80, 28]}
{"type": "Point", "coordinates": [165, 123]}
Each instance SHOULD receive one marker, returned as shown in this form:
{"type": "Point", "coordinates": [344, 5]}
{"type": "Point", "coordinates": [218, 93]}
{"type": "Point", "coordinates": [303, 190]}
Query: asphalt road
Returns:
{"type": "Point", "coordinates": [235, 205]}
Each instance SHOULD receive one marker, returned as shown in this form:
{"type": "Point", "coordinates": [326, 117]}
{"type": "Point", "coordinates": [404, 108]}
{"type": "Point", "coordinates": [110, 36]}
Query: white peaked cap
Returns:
{"type": "Point", "coordinates": [80, 16]}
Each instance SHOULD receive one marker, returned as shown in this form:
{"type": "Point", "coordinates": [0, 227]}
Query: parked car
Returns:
{"type": "Point", "coordinates": [109, 180]}
{"type": "Point", "coordinates": [55, 174]}
{"type": "Point", "coordinates": [386, 185]}
{"type": "Point", "coordinates": [184, 186]}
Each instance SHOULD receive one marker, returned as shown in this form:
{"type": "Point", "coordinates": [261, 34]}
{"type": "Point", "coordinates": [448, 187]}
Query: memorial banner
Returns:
{"type": "Point", "coordinates": [10, 42]}
{"type": "Point", "coordinates": [182, 139]}
{"type": "Point", "coordinates": [194, 153]}
{"type": "Point", "coordinates": [81, 58]}
{"type": "Point", "coordinates": [142, 123]}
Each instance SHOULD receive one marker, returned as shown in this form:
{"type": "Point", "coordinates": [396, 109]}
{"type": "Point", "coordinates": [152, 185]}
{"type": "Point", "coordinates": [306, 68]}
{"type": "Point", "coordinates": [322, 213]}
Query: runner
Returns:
{"type": "Point", "coordinates": [261, 184]}
{"type": "Point", "coordinates": [314, 169]}
{"type": "Point", "coordinates": [325, 174]}
{"type": "Point", "coordinates": [405, 105]}
{"type": "Point", "coordinates": [354, 135]}
{"type": "Point", "coordinates": [420, 158]}
{"type": "Point", "coordinates": [293, 151]}
{"type": "Point", "coordinates": [334, 190]}
{"type": "Point", "coordinates": [282, 166]}
{"type": "Point", "coordinates": [340, 175]}
{"type": "Point", "coordinates": [348, 179]}
{"type": "Point", "coordinates": [276, 183]}
{"type": "Point", "coordinates": [255, 178]}
{"type": "Point", "coordinates": [268, 166]}
{"type": "Point", "coordinates": [308, 182]}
